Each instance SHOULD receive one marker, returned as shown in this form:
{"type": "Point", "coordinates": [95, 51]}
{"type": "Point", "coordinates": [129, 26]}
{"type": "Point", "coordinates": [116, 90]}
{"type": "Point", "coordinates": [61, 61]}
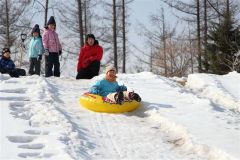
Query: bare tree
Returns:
{"type": "Point", "coordinates": [12, 21]}
{"type": "Point", "coordinates": [124, 37]}
{"type": "Point", "coordinates": [114, 29]}
{"type": "Point", "coordinates": [80, 20]}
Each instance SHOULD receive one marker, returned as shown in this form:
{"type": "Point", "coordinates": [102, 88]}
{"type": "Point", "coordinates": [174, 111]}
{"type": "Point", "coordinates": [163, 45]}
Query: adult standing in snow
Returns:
{"type": "Point", "coordinates": [8, 66]}
{"type": "Point", "coordinates": [89, 58]}
{"type": "Point", "coordinates": [109, 88]}
{"type": "Point", "coordinates": [35, 51]}
{"type": "Point", "coordinates": [52, 49]}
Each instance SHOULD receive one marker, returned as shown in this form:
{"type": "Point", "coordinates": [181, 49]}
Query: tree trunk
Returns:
{"type": "Point", "coordinates": [45, 24]}
{"type": "Point", "coordinates": [190, 48]}
{"type": "Point", "coordinates": [164, 43]}
{"type": "Point", "coordinates": [115, 35]}
{"type": "Point", "coordinates": [124, 37]}
{"type": "Point", "coordinates": [7, 25]}
{"type": "Point", "coordinates": [199, 39]}
{"type": "Point", "coordinates": [205, 37]}
{"type": "Point", "coordinates": [80, 21]}
{"type": "Point", "coordinates": [85, 17]}
{"type": "Point", "coordinates": [46, 13]}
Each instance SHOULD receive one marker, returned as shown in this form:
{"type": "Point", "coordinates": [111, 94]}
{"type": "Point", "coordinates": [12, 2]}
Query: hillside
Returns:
{"type": "Point", "coordinates": [41, 118]}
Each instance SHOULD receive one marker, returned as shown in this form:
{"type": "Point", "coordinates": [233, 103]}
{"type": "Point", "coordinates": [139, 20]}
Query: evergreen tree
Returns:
{"type": "Point", "coordinates": [223, 45]}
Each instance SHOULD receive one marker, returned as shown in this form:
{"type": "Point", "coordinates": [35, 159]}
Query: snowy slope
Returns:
{"type": "Point", "coordinates": [42, 119]}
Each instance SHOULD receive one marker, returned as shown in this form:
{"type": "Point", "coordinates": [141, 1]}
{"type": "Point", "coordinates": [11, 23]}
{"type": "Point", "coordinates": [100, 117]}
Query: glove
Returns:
{"type": "Point", "coordinates": [60, 52]}
{"type": "Point", "coordinates": [39, 57]}
{"type": "Point", "coordinates": [46, 52]}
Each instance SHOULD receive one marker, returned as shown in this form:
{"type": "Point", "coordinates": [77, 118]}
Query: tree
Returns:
{"type": "Point", "coordinates": [198, 11]}
{"type": "Point", "coordinates": [124, 36]}
{"type": "Point", "coordinates": [114, 29]}
{"type": "Point", "coordinates": [224, 44]}
{"type": "Point", "coordinates": [12, 21]}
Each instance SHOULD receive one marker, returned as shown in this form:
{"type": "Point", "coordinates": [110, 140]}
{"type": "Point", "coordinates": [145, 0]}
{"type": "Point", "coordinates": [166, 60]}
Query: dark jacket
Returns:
{"type": "Point", "coordinates": [6, 65]}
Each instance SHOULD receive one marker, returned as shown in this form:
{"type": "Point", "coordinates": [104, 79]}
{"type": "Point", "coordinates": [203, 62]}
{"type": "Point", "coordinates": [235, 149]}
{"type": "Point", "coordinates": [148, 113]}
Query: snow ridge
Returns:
{"type": "Point", "coordinates": [178, 135]}
{"type": "Point", "coordinates": [210, 86]}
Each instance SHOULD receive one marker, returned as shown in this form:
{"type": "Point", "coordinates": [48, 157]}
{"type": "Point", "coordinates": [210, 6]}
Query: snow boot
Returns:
{"type": "Point", "coordinates": [119, 98]}
{"type": "Point", "coordinates": [135, 96]}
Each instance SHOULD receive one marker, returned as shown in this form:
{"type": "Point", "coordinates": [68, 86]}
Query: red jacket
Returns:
{"type": "Point", "coordinates": [88, 54]}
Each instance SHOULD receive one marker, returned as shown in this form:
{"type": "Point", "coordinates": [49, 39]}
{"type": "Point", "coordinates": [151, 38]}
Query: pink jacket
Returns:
{"type": "Point", "coordinates": [51, 41]}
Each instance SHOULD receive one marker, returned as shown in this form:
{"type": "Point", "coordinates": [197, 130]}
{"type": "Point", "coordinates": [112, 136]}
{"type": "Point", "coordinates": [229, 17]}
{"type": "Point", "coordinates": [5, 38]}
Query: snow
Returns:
{"type": "Point", "coordinates": [41, 118]}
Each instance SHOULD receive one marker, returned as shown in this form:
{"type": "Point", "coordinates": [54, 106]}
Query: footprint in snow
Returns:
{"type": "Point", "coordinates": [17, 104]}
{"type": "Point", "coordinates": [21, 139]}
{"type": "Point", "coordinates": [36, 132]}
{"type": "Point", "coordinates": [27, 155]}
{"type": "Point", "coordinates": [19, 90]}
{"type": "Point", "coordinates": [20, 99]}
{"type": "Point", "coordinates": [36, 155]}
{"type": "Point", "coordinates": [11, 81]}
{"type": "Point", "coordinates": [32, 146]}
{"type": "Point", "coordinates": [19, 111]}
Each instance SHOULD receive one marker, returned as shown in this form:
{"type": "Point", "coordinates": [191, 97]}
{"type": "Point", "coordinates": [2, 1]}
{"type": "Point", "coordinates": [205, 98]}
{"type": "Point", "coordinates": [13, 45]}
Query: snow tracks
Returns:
{"type": "Point", "coordinates": [32, 127]}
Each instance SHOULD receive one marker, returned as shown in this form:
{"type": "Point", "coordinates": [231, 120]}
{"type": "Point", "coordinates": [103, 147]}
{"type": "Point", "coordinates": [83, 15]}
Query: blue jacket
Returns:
{"type": "Point", "coordinates": [6, 64]}
{"type": "Point", "coordinates": [104, 87]}
{"type": "Point", "coordinates": [35, 47]}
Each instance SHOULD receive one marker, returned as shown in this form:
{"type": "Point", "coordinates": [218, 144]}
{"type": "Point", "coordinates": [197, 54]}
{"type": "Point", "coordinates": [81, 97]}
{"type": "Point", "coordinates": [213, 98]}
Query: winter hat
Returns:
{"type": "Point", "coordinates": [90, 36]}
{"type": "Point", "coordinates": [36, 29]}
{"type": "Point", "coordinates": [51, 21]}
{"type": "Point", "coordinates": [5, 50]}
{"type": "Point", "coordinates": [109, 68]}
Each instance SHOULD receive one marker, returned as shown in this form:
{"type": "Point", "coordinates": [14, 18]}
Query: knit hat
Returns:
{"type": "Point", "coordinates": [109, 68]}
{"type": "Point", "coordinates": [51, 21]}
{"type": "Point", "coordinates": [90, 36]}
{"type": "Point", "coordinates": [5, 50]}
{"type": "Point", "coordinates": [36, 29]}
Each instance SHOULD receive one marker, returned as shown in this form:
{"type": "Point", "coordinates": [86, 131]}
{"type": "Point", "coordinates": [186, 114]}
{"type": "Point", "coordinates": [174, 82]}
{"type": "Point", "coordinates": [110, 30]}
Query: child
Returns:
{"type": "Point", "coordinates": [89, 58]}
{"type": "Point", "coordinates": [35, 51]}
{"type": "Point", "coordinates": [53, 49]}
{"type": "Point", "coordinates": [109, 88]}
{"type": "Point", "coordinates": [8, 66]}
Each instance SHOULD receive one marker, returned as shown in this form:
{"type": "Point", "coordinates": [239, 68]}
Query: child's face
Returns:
{"type": "Point", "coordinates": [6, 54]}
{"type": "Point", "coordinates": [35, 34]}
{"type": "Point", "coordinates": [52, 26]}
{"type": "Point", "coordinates": [111, 75]}
{"type": "Point", "coordinates": [90, 41]}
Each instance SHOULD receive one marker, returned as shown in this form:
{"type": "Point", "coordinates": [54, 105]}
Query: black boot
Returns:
{"type": "Point", "coordinates": [119, 98]}
{"type": "Point", "coordinates": [135, 96]}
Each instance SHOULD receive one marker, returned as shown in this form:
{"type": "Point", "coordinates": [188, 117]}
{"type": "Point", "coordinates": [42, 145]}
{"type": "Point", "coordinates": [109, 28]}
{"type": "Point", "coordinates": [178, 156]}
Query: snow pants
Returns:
{"type": "Point", "coordinates": [35, 66]}
{"type": "Point", "coordinates": [15, 72]}
{"type": "Point", "coordinates": [111, 96]}
{"type": "Point", "coordinates": [89, 72]}
{"type": "Point", "coordinates": [53, 65]}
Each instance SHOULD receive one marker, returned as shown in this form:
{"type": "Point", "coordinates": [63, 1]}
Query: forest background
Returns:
{"type": "Point", "coordinates": [166, 37]}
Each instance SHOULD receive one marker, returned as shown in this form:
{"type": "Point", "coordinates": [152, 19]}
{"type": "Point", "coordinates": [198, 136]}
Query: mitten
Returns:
{"type": "Point", "coordinates": [46, 52]}
{"type": "Point", "coordinates": [39, 57]}
{"type": "Point", "coordinates": [60, 52]}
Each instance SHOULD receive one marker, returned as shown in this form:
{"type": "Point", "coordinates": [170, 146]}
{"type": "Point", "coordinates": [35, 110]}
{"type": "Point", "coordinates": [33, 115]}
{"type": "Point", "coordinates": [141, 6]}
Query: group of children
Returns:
{"type": "Point", "coordinates": [48, 45]}
{"type": "Point", "coordinates": [89, 62]}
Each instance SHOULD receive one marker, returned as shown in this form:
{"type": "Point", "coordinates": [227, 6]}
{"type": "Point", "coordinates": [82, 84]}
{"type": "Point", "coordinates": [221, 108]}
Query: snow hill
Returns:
{"type": "Point", "coordinates": [41, 118]}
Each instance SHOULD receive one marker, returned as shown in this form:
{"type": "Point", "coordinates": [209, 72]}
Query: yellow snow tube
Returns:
{"type": "Point", "coordinates": [95, 103]}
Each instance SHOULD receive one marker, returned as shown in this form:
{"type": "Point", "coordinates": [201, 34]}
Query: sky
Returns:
{"type": "Point", "coordinates": [41, 118]}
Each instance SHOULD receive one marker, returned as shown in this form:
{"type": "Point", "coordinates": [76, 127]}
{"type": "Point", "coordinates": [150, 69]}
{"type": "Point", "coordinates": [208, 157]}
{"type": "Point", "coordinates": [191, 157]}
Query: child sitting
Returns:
{"type": "Point", "coordinates": [8, 66]}
{"type": "Point", "coordinates": [108, 88]}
